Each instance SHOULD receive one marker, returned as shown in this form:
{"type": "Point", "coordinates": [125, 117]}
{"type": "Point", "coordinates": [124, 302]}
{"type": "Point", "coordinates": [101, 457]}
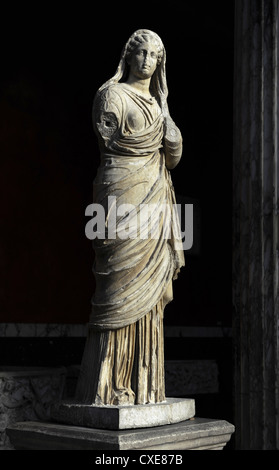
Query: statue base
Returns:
{"type": "Point", "coordinates": [193, 434]}
{"type": "Point", "coordinates": [171, 411]}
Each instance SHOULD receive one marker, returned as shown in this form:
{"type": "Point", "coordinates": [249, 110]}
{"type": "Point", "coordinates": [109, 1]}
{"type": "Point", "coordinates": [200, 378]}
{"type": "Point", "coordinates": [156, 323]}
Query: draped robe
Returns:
{"type": "Point", "coordinates": [133, 273]}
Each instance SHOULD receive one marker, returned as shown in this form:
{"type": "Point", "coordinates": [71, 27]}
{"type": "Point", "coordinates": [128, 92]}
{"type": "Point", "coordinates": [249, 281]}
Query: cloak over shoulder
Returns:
{"type": "Point", "coordinates": [132, 273]}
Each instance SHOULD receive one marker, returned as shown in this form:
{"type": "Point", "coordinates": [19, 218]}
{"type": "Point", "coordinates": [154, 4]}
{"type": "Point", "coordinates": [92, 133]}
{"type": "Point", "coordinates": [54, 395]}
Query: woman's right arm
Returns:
{"type": "Point", "coordinates": [106, 115]}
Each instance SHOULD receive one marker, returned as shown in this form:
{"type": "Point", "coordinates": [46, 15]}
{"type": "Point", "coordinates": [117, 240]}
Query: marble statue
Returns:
{"type": "Point", "coordinates": [123, 361]}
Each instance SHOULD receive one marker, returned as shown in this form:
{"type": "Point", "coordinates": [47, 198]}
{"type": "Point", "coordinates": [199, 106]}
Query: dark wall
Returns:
{"type": "Point", "coordinates": [53, 61]}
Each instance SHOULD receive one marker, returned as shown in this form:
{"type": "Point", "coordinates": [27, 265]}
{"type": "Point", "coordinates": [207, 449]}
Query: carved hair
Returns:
{"type": "Point", "coordinates": [158, 84]}
{"type": "Point", "coordinates": [141, 36]}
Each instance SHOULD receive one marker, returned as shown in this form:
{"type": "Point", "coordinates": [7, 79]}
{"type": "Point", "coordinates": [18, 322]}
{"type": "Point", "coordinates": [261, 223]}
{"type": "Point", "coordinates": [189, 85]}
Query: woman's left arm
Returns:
{"type": "Point", "coordinates": [172, 143]}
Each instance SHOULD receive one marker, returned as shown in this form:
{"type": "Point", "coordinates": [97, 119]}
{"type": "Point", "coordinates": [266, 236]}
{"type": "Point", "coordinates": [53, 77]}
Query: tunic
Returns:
{"type": "Point", "coordinates": [133, 273]}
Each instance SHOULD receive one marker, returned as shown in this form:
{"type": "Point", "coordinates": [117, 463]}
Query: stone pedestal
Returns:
{"type": "Point", "coordinates": [173, 410]}
{"type": "Point", "coordinates": [193, 434]}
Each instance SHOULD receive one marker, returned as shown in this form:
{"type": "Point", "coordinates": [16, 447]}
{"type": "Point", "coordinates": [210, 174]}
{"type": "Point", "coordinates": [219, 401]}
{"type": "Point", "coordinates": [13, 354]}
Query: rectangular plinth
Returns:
{"type": "Point", "coordinates": [173, 410]}
{"type": "Point", "coordinates": [196, 434]}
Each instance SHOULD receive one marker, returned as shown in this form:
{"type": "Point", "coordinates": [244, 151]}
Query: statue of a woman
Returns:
{"type": "Point", "coordinates": [123, 361]}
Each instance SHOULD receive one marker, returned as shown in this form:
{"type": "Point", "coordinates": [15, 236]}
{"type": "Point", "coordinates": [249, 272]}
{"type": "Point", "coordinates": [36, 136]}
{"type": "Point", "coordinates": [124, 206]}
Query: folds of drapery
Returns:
{"type": "Point", "coordinates": [133, 273]}
{"type": "Point", "coordinates": [125, 366]}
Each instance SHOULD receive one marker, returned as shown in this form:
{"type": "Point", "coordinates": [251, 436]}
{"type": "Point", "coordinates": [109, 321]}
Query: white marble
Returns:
{"type": "Point", "coordinates": [170, 411]}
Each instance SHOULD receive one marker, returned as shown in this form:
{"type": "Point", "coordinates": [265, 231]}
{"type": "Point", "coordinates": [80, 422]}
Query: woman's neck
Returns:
{"type": "Point", "coordinates": [141, 85]}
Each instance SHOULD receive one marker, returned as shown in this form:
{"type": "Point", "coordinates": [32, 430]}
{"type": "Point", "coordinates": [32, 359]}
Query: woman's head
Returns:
{"type": "Point", "coordinates": [140, 37]}
{"type": "Point", "coordinates": [158, 81]}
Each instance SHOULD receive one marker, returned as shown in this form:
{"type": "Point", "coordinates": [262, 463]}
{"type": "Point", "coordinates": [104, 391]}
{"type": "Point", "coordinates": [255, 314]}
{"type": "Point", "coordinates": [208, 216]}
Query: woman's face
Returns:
{"type": "Point", "coordinates": [143, 61]}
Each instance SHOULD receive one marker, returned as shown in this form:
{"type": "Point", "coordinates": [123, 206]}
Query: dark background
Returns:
{"type": "Point", "coordinates": [53, 60]}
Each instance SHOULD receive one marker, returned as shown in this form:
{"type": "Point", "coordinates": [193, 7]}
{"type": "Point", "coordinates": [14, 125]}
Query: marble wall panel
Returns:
{"type": "Point", "coordinates": [41, 330]}
{"type": "Point", "coordinates": [27, 394]}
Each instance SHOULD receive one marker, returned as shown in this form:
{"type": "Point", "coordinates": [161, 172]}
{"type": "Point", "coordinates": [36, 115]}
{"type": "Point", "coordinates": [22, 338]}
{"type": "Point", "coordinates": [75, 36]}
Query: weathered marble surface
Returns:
{"type": "Point", "coordinates": [256, 208]}
{"type": "Point", "coordinates": [197, 434]}
{"type": "Point", "coordinates": [172, 410]}
{"type": "Point", "coordinates": [134, 271]}
{"type": "Point", "coordinates": [27, 394]}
